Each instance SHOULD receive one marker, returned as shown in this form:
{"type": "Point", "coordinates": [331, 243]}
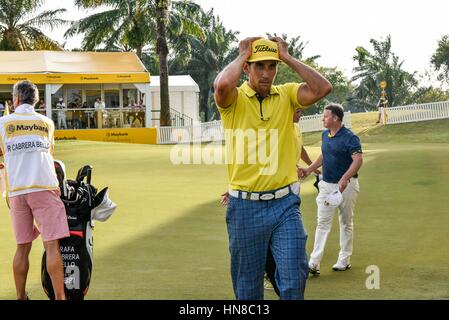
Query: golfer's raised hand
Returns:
{"type": "Point", "coordinates": [282, 46]}
{"type": "Point", "coordinates": [245, 46]}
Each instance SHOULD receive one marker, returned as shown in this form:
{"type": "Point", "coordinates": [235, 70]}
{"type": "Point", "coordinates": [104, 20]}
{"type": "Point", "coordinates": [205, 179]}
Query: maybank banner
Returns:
{"type": "Point", "coordinates": [67, 78]}
{"type": "Point", "coordinates": [131, 135]}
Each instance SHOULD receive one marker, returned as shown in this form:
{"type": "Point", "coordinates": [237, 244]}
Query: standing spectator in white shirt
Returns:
{"type": "Point", "coordinates": [99, 108]}
{"type": "Point", "coordinates": [61, 113]}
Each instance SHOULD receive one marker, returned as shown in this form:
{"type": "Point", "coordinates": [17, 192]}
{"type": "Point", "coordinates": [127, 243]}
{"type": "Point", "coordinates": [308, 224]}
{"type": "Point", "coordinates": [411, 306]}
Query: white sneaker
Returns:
{"type": "Point", "coordinates": [339, 266]}
{"type": "Point", "coordinates": [314, 269]}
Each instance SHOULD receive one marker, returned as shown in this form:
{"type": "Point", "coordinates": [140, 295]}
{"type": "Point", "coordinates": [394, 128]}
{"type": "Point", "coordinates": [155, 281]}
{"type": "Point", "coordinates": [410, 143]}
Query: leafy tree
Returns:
{"type": "Point", "coordinates": [429, 94]}
{"type": "Point", "coordinates": [209, 56]}
{"type": "Point", "coordinates": [381, 65]}
{"type": "Point", "coordinates": [341, 86]}
{"type": "Point", "coordinates": [296, 47]}
{"type": "Point", "coordinates": [440, 59]}
{"type": "Point", "coordinates": [19, 25]}
{"type": "Point", "coordinates": [139, 23]}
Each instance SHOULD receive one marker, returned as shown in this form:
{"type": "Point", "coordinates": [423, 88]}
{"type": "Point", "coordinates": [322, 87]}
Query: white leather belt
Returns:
{"type": "Point", "coordinates": [264, 196]}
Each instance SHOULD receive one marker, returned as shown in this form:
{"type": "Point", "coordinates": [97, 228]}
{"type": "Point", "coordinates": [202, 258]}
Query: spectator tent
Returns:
{"type": "Point", "coordinates": [79, 78]}
{"type": "Point", "coordinates": [115, 77]}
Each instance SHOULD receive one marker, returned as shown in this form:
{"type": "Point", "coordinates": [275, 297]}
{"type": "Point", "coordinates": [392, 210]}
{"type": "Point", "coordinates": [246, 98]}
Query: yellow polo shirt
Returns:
{"type": "Point", "coordinates": [260, 143]}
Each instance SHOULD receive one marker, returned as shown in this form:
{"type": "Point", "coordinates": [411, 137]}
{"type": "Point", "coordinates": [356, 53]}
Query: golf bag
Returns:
{"type": "Point", "coordinates": [82, 204]}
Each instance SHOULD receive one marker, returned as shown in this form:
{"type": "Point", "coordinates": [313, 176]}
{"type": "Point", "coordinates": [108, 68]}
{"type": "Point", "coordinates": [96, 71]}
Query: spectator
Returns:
{"type": "Point", "coordinates": [99, 108]}
{"type": "Point", "coordinates": [61, 110]}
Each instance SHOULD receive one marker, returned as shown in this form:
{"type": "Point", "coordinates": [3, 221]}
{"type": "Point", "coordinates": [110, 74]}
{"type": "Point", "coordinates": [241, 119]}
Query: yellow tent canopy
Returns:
{"type": "Point", "coordinates": [66, 67]}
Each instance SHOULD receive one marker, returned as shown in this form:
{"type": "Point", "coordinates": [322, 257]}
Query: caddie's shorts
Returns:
{"type": "Point", "coordinates": [44, 207]}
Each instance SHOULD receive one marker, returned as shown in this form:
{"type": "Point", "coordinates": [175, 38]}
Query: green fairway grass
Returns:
{"type": "Point", "coordinates": [168, 239]}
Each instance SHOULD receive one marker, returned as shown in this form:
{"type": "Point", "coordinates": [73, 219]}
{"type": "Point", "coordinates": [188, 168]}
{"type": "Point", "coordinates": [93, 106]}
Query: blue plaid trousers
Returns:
{"type": "Point", "coordinates": [252, 227]}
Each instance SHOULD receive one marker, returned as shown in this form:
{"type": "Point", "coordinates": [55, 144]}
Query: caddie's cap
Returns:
{"type": "Point", "coordinates": [334, 199]}
{"type": "Point", "coordinates": [264, 49]}
{"type": "Point", "coordinates": [61, 99]}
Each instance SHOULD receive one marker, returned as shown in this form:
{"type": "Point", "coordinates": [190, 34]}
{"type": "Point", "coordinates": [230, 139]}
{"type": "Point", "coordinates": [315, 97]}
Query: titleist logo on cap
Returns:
{"type": "Point", "coordinates": [264, 48]}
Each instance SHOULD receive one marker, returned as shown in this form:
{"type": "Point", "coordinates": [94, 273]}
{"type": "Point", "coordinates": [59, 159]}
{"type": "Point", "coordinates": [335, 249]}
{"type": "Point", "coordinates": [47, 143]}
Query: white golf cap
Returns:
{"type": "Point", "coordinates": [334, 199]}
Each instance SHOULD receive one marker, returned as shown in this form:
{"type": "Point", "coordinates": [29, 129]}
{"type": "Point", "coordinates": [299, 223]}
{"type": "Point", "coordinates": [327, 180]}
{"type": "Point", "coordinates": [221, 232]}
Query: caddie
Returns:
{"type": "Point", "coordinates": [27, 143]}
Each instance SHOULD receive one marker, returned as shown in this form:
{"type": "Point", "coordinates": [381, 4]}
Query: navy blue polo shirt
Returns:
{"type": "Point", "coordinates": [337, 153]}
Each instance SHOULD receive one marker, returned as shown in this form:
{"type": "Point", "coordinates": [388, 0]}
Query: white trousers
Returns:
{"type": "Point", "coordinates": [62, 121]}
{"type": "Point", "coordinates": [326, 215]}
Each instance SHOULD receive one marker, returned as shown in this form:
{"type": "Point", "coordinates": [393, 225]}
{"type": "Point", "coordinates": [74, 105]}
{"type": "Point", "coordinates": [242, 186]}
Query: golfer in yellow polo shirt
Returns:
{"type": "Point", "coordinates": [263, 209]}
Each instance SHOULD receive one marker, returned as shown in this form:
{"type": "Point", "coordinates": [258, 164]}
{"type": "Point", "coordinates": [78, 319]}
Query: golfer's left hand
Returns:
{"type": "Point", "coordinates": [342, 184]}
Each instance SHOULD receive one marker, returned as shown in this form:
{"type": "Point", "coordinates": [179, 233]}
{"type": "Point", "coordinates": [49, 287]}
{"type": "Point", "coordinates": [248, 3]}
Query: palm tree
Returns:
{"type": "Point", "coordinates": [19, 28]}
{"type": "Point", "coordinates": [175, 23]}
{"type": "Point", "coordinates": [296, 47]}
{"type": "Point", "coordinates": [209, 56]}
{"type": "Point", "coordinates": [381, 65]}
{"type": "Point", "coordinates": [140, 23]}
{"type": "Point", "coordinates": [124, 23]}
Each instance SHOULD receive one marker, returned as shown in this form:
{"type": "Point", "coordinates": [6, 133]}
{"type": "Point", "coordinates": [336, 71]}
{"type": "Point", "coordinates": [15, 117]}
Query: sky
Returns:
{"type": "Point", "coordinates": [332, 28]}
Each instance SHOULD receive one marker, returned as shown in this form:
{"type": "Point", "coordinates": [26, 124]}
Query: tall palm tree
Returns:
{"type": "Point", "coordinates": [381, 65]}
{"type": "Point", "coordinates": [176, 21]}
{"type": "Point", "coordinates": [125, 22]}
{"type": "Point", "coordinates": [19, 27]}
{"type": "Point", "coordinates": [160, 24]}
{"type": "Point", "coordinates": [209, 56]}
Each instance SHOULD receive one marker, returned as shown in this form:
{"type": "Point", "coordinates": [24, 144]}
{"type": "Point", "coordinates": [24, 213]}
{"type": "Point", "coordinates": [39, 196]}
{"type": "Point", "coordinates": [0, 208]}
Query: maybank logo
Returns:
{"type": "Point", "coordinates": [26, 127]}
{"type": "Point", "coordinates": [116, 134]}
{"type": "Point", "coordinates": [10, 128]}
{"type": "Point", "coordinates": [21, 127]}
{"type": "Point", "coordinates": [16, 78]}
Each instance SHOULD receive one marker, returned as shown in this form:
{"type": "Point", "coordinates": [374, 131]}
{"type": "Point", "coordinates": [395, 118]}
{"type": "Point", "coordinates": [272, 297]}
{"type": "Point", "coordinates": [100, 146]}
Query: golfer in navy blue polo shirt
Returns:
{"type": "Point", "coordinates": [341, 158]}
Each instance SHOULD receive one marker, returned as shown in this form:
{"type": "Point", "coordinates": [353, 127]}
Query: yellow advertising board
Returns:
{"type": "Point", "coordinates": [68, 78]}
{"type": "Point", "coordinates": [127, 135]}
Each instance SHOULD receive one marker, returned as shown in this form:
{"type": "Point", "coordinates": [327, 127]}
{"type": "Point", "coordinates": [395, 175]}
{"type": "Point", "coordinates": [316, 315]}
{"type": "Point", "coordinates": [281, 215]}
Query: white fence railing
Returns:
{"type": "Point", "coordinates": [417, 112]}
{"type": "Point", "coordinates": [202, 132]}
{"type": "Point", "coordinates": [315, 122]}
{"type": "Point", "coordinates": [213, 131]}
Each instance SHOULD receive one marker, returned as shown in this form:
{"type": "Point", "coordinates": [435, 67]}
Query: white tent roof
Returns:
{"type": "Point", "coordinates": [176, 83]}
